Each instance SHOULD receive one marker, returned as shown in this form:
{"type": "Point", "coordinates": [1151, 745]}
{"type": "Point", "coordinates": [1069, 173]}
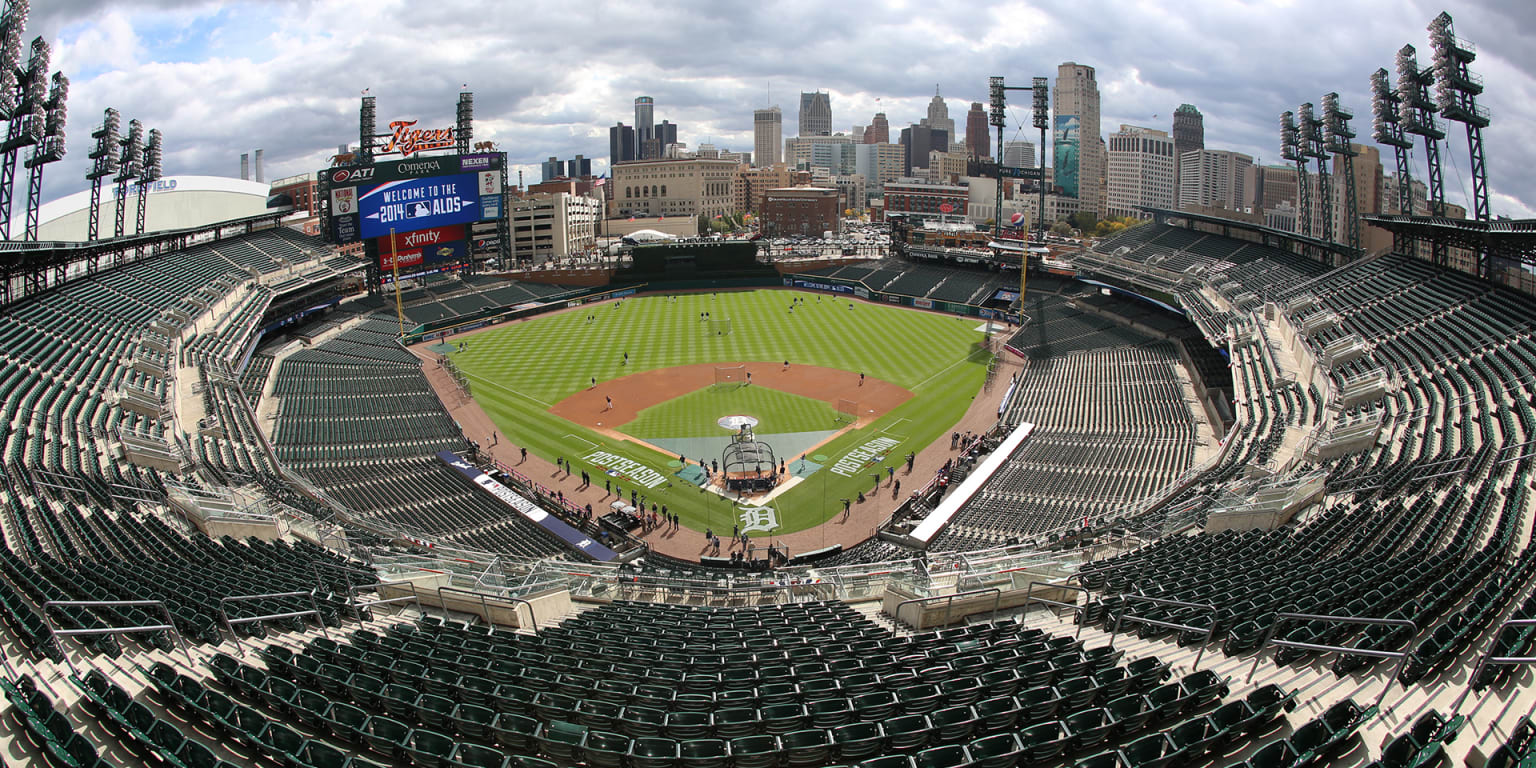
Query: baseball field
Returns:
{"type": "Point", "coordinates": [634, 392]}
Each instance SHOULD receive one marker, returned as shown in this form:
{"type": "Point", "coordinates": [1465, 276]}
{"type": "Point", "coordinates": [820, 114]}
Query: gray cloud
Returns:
{"type": "Point", "coordinates": [550, 77]}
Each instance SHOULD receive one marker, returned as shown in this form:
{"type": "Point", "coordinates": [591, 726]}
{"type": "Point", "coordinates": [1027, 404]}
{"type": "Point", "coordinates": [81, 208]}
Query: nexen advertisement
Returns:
{"type": "Point", "coordinates": [415, 204]}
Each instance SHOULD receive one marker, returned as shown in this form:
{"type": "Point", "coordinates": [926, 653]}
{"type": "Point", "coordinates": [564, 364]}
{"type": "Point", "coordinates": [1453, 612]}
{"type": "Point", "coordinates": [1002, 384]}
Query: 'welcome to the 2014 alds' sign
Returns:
{"type": "Point", "coordinates": [408, 141]}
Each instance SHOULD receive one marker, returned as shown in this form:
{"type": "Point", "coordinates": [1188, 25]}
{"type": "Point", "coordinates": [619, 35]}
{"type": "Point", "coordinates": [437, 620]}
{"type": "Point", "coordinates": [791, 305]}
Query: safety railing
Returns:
{"type": "Point", "coordinates": [1281, 618]}
{"type": "Point", "coordinates": [949, 603]}
{"type": "Point", "coordinates": [485, 607]}
{"type": "Point", "coordinates": [359, 605]}
{"type": "Point", "coordinates": [1488, 658]}
{"type": "Point", "coordinates": [168, 626]}
{"type": "Point", "coordinates": [316, 568]}
{"type": "Point", "coordinates": [229, 623]}
{"type": "Point", "coordinates": [1081, 609]}
{"type": "Point", "coordinates": [1209, 630]}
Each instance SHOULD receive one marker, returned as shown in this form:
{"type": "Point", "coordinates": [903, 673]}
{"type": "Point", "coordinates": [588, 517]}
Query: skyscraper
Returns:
{"type": "Point", "coordinates": [919, 140]}
{"type": "Point", "coordinates": [645, 122]}
{"type": "Point", "coordinates": [1188, 134]}
{"type": "Point", "coordinates": [1214, 178]}
{"type": "Point", "coordinates": [1140, 172]}
{"type": "Point", "coordinates": [815, 114]}
{"type": "Point", "coordinates": [1019, 154]}
{"type": "Point", "coordinates": [938, 117]}
{"type": "Point", "coordinates": [621, 144]}
{"type": "Point", "coordinates": [978, 134]}
{"type": "Point", "coordinates": [879, 131]}
{"type": "Point", "coordinates": [1079, 157]}
{"type": "Point", "coordinates": [551, 169]}
{"type": "Point", "coordinates": [768, 136]}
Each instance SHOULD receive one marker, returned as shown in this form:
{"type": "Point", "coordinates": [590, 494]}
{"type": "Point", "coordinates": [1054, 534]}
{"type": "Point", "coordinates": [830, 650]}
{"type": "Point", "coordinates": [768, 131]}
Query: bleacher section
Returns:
{"type": "Point", "coordinates": [357, 417]}
{"type": "Point", "coordinates": [1111, 428]}
{"type": "Point", "coordinates": [922, 281]}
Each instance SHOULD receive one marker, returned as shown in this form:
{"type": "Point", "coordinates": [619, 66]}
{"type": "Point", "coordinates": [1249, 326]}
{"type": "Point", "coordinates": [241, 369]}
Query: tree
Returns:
{"type": "Point", "coordinates": [1084, 221]}
{"type": "Point", "coordinates": [1061, 228]}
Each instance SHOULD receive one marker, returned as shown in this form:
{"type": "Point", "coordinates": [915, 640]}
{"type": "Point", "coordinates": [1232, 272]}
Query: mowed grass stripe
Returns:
{"type": "Point", "coordinates": [696, 414]}
{"type": "Point", "coordinates": [550, 357]}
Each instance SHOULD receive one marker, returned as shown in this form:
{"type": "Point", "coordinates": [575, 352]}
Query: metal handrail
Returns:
{"type": "Point", "coordinates": [1487, 658]}
{"type": "Point", "coordinates": [170, 623]}
{"type": "Point", "coordinates": [1080, 609]}
{"type": "Point", "coordinates": [359, 604]}
{"type": "Point", "coordinates": [949, 604]}
{"type": "Point", "coordinates": [1401, 656]}
{"type": "Point", "coordinates": [1210, 630]}
{"type": "Point", "coordinates": [229, 623]}
{"type": "Point", "coordinates": [346, 572]}
{"type": "Point", "coordinates": [485, 605]}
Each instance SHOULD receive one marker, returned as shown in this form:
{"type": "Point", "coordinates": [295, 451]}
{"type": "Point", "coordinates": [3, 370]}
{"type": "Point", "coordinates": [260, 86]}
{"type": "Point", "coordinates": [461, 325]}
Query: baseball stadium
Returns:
{"type": "Point", "coordinates": [328, 495]}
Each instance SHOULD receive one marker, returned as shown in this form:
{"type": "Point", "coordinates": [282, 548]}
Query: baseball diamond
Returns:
{"type": "Point", "coordinates": [636, 378]}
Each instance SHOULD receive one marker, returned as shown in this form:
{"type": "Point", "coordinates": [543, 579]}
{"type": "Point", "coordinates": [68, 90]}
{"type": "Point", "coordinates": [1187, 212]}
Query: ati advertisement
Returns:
{"type": "Point", "coordinates": [419, 204]}
{"type": "Point", "coordinates": [427, 246]}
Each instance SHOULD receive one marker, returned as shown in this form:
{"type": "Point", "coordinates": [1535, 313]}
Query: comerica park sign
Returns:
{"type": "Point", "coordinates": [406, 140]}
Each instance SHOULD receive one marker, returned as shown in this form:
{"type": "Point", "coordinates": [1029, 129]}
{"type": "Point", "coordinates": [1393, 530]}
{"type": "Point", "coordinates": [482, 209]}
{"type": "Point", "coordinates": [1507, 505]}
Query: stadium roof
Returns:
{"type": "Point", "coordinates": [179, 202]}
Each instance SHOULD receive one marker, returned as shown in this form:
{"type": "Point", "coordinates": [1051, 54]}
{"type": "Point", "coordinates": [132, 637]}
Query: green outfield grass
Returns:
{"type": "Point", "coordinates": [518, 371]}
{"type": "Point", "coordinates": [696, 413]}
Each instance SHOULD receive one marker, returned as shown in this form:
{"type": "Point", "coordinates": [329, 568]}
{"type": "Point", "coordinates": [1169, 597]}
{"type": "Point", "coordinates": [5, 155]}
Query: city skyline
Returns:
{"type": "Point", "coordinates": [216, 88]}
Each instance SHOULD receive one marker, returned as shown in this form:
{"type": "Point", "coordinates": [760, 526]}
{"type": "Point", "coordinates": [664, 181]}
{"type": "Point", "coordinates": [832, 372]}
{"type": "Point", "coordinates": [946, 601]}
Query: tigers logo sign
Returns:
{"type": "Point", "coordinates": [406, 141]}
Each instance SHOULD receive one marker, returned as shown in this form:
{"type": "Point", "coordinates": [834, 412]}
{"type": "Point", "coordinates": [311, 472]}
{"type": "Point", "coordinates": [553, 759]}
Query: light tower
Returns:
{"type": "Point", "coordinates": [149, 175]}
{"type": "Point", "coordinates": [1040, 100]}
{"type": "Point", "coordinates": [1416, 113]}
{"type": "Point", "coordinates": [1312, 146]}
{"type": "Point", "coordinates": [466, 120]}
{"type": "Point", "coordinates": [27, 111]}
{"type": "Point", "coordinates": [103, 164]}
{"type": "Point", "coordinates": [49, 150]}
{"type": "Point", "coordinates": [1336, 141]}
{"type": "Point", "coordinates": [130, 167]}
{"type": "Point", "coordinates": [367, 130]}
{"type": "Point", "coordinates": [1290, 149]}
{"type": "Point", "coordinates": [1388, 131]}
{"type": "Point", "coordinates": [1456, 90]}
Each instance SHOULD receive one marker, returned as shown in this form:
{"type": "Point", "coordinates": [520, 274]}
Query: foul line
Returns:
{"type": "Point", "coordinates": [505, 388]}
{"type": "Point", "coordinates": [945, 369]}
{"type": "Point", "coordinates": [569, 436]}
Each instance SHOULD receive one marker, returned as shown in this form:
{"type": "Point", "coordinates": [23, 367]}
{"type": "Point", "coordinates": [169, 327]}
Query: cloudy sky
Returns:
{"type": "Point", "coordinates": [222, 78]}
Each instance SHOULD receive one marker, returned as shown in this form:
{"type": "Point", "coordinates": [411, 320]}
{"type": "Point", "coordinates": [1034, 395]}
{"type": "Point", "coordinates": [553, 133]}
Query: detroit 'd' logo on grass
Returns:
{"type": "Point", "coordinates": [735, 423]}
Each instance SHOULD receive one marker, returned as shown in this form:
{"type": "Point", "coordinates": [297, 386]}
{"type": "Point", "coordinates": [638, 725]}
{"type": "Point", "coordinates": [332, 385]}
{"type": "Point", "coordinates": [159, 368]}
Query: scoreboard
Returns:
{"type": "Point", "coordinates": [430, 205]}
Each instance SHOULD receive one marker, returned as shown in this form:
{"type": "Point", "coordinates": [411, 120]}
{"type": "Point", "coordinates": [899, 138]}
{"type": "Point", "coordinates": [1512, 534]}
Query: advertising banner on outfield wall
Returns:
{"type": "Point", "coordinates": [820, 286]}
{"type": "Point", "coordinates": [529, 510]}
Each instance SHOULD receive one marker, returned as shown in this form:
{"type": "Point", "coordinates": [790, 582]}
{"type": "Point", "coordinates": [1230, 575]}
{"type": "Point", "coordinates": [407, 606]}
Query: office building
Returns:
{"type": "Point", "coordinates": [768, 136]}
{"type": "Point", "coordinates": [938, 117]}
{"type": "Point", "coordinates": [978, 132]}
{"type": "Point", "coordinates": [551, 169]}
{"type": "Point", "coordinates": [808, 211]}
{"type": "Point", "coordinates": [1214, 178]}
{"type": "Point", "coordinates": [621, 144]}
{"type": "Point", "coordinates": [878, 164]}
{"type": "Point", "coordinates": [879, 130]}
{"type": "Point", "coordinates": [1139, 172]}
{"type": "Point", "coordinates": [645, 124]}
{"type": "Point", "coordinates": [800, 151]}
{"type": "Point", "coordinates": [920, 140]}
{"type": "Point", "coordinates": [552, 225]}
{"type": "Point", "coordinates": [665, 187]}
{"type": "Point", "coordinates": [1079, 149]}
{"type": "Point", "coordinates": [815, 114]}
{"type": "Point", "coordinates": [1020, 154]}
{"type": "Point", "coordinates": [1188, 134]}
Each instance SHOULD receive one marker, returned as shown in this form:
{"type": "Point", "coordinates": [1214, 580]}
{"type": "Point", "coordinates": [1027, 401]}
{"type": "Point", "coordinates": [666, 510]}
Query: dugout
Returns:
{"type": "Point", "coordinates": [748, 465]}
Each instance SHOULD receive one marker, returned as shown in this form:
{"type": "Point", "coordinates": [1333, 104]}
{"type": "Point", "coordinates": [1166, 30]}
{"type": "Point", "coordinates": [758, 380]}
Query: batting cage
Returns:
{"type": "Point", "coordinates": [748, 465]}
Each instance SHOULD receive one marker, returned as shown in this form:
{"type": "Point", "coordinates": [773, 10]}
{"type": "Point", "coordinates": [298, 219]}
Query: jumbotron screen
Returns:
{"type": "Point", "coordinates": [427, 204]}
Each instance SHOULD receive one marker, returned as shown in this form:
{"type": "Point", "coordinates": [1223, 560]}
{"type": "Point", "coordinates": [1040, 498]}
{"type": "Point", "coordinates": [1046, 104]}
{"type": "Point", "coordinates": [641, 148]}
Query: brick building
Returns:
{"type": "Point", "coordinates": [801, 211]}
